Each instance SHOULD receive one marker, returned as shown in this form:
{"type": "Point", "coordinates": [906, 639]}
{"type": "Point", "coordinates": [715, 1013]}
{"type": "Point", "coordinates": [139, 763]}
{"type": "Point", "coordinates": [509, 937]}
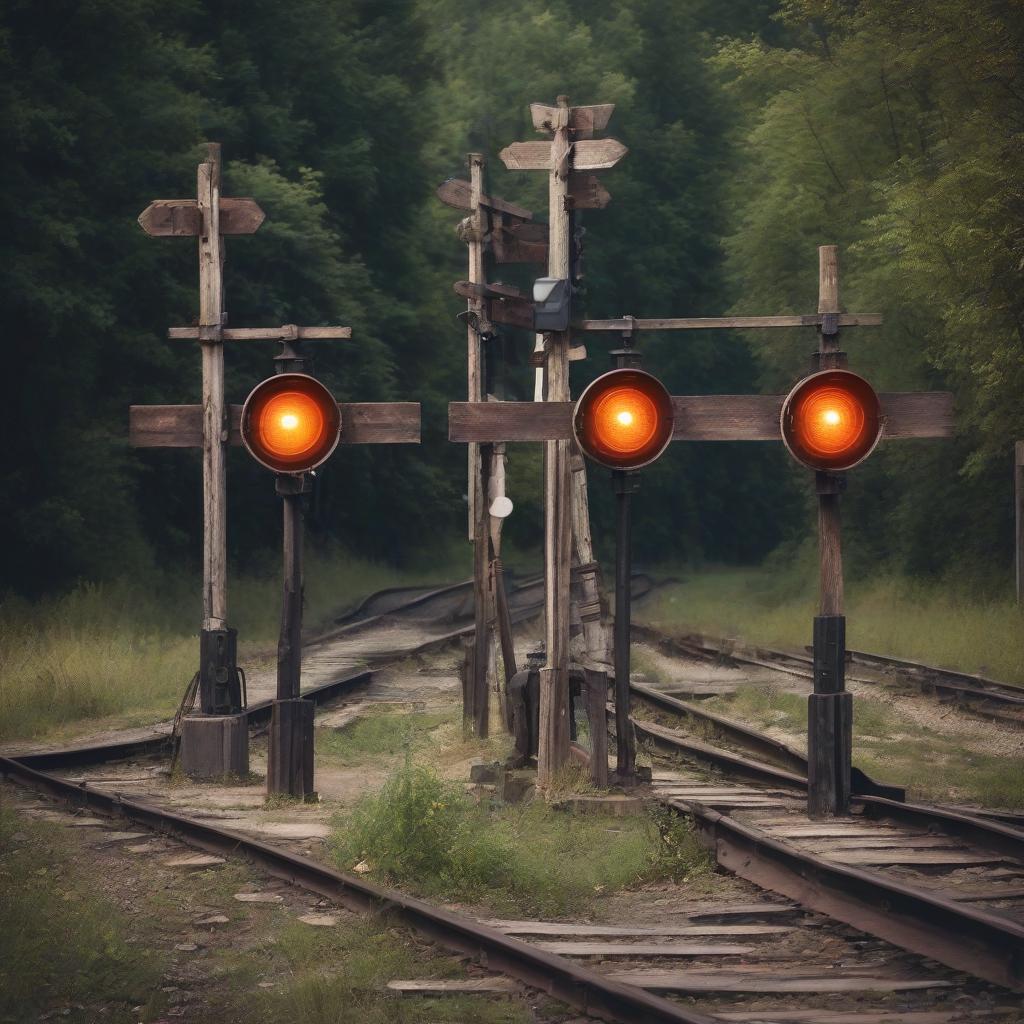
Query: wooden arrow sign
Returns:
{"type": "Point", "coordinates": [506, 304]}
{"type": "Point", "coordinates": [583, 120]}
{"type": "Point", "coordinates": [587, 192]}
{"type": "Point", "coordinates": [455, 192]}
{"type": "Point", "coordinates": [587, 155]}
{"type": "Point", "coordinates": [518, 241]}
{"type": "Point", "coordinates": [181, 217]}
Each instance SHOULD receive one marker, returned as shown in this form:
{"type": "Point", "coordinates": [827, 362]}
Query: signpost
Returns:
{"type": "Point", "coordinates": [571, 150]}
{"type": "Point", "coordinates": [756, 418]}
{"type": "Point", "coordinates": [215, 742]}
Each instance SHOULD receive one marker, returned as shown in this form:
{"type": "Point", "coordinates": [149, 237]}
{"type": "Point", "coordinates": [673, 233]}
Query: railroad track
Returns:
{"type": "Point", "coordinates": [757, 959]}
{"type": "Point", "coordinates": [946, 884]}
{"type": "Point", "coordinates": [1003, 702]}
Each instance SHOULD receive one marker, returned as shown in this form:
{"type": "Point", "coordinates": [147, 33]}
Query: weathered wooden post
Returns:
{"type": "Point", "coordinates": [830, 707]}
{"type": "Point", "coordinates": [507, 232]}
{"type": "Point", "coordinates": [569, 151]}
{"type": "Point", "coordinates": [215, 742]}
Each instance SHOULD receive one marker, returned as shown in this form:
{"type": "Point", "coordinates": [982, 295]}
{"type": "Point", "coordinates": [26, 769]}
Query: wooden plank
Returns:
{"type": "Point", "coordinates": [755, 982]}
{"type": "Point", "coordinates": [583, 120]}
{"type": "Point", "coordinates": [671, 949]}
{"type": "Point", "coordinates": [380, 422]}
{"type": "Point", "coordinates": [697, 417]}
{"type": "Point", "coordinates": [181, 426]}
{"type": "Point", "coordinates": [509, 421]}
{"type": "Point", "coordinates": [587, 155]}
{"type": "Point", "coordinates": [915, 858]}
{"type": "Point", "coordinates": [825, 846]}
{"type": "Point", "coordinates": [181, 217]}
{"type": "Point", "coordinates": [455, 192]}
{"type": "Point", "coordinates": [727, 417]}
{"type": "Point", "coordinates": [823, 1016]}
{"type": "Point", "coordinates": [917, 414]}
{"type": "Point", "coordinates": [284, 333]}
{"type": "Point", "coordinates": [587, 192]}
{"type": "Point", "coordinates": [483, 290]}
{"type": "Point", "coordinates": [624, 931]}
{"type": "Point", "coordinates": [453, 987]}
{"type": "Point", "coordinates": [740, 322]}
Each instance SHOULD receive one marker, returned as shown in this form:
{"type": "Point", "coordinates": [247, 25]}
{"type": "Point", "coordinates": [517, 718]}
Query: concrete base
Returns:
{"type": "Point", "coordinates": [290, 749]}
{"type": "Point", "coordinates": [215, 746]}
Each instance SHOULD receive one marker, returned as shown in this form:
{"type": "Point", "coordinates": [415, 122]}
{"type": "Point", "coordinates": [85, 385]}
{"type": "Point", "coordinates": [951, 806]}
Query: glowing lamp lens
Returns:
{"type": "Point", "coordinates": [290, 423]}
{"type": "Point", "coordinates": [831, 420]}
{"type": "Point", "coordinates": [624, 419]}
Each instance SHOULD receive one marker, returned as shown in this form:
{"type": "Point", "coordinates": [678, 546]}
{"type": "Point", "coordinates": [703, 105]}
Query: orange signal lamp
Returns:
{"type": "Point", "coordinates": [624, 419]}
{"type": "Point", "coordinates": [290, 423]}
{"type": "Point", "coordinates": [831, 420]}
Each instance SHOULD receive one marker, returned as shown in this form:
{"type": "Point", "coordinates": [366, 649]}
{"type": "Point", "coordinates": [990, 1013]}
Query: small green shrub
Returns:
{"type": "Point", "coordinates": [423, 832]}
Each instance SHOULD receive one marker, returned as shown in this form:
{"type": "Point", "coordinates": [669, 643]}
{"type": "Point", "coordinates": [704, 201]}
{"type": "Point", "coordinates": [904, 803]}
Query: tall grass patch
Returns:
{"type": "Point", "coordinates": [426, 833]}
{"type": "Point", "coordinates": [127, 649]}
{"type": "Point", "coordinates": [934, 622]}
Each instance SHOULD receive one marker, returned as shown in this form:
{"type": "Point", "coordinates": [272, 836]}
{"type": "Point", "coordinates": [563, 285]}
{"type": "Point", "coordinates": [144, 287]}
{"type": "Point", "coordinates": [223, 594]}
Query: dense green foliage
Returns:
{"type": "Point", "coordinates": [755, 134]}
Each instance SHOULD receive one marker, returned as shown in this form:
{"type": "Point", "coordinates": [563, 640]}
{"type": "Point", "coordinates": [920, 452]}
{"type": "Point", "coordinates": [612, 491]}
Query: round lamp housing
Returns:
{"type": "Point", "coordinates": [624, 419]}
{"type": "Point", "coordinates": [290, 423]}
{"type": "Point", "coordinates": [831, 420]}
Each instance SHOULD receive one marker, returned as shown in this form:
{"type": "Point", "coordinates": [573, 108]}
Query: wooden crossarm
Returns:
{"type": "Point", "coordinates": [286, 332]}
{"type": "Point", "coordinates": [181, 426]}
{"type": "Point", "coordinates": [697, 418]}
{"type": "Point", "coordinates": [709, 323]}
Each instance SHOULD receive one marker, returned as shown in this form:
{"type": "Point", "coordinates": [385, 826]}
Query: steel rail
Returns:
{"type": "Point", "coordinates": [962, 936]}
{"type": "Point", "coordinates": [973, 689]}
{"type": "Point", "coordinates": [861, 782]}
{"type": "Point", "coordinates": [992, 835]}
{"type": "Point", "coordinates": [562, 979]}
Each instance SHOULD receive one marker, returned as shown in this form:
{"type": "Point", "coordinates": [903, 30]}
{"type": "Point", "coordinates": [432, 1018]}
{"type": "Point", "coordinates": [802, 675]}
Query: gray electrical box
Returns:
{"type": "Point", "coordinates": [551, 304]}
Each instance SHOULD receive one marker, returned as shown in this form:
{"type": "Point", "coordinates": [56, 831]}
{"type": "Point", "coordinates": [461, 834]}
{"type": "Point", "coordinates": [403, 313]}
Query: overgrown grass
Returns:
{"type": "Point", "coordinates": [61, 944]}
{"type": "Point", "coordinates": [427, 834]}
{"type": "Point", "coordinates": [936, 623]}
{"type": "Point", "coordinates": [339, 975]}
{"type": "Point", "coordinates": [127, 650]}
{"type": "Point", "coordinates": [891, 747]}
{"type": "Point", "coordinates": [380, 735]}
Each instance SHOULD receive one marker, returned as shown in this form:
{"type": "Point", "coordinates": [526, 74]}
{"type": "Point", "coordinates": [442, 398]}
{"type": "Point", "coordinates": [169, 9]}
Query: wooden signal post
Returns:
{"type": "Point", "coordinates": [570, 151]}
{"type": "Point", "coordinates": [746, 418]}
{"type": "Point", "coordinates": [215, 742]}
{"type": "Point", "coordinates": [508, 233]}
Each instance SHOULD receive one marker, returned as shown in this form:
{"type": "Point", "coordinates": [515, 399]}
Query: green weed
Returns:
{"type": "Point", "coordinates": [423, 832]}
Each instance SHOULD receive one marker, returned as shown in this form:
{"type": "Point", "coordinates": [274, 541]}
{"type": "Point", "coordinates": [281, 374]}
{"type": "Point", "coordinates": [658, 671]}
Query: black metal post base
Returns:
{"type": "Point", "coordinates": [290, 749]}
{"type": "Point", "coordinates": [215, 747]}
{"type": "Point", "coordinates": [220, 684]}
{"type": "Point", "coordinates": [829, 723]}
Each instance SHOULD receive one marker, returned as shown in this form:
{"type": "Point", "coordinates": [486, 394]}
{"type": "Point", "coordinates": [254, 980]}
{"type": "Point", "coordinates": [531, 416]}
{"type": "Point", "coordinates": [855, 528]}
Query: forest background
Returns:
{"type": "Point", "coordinates": [757, 131]}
